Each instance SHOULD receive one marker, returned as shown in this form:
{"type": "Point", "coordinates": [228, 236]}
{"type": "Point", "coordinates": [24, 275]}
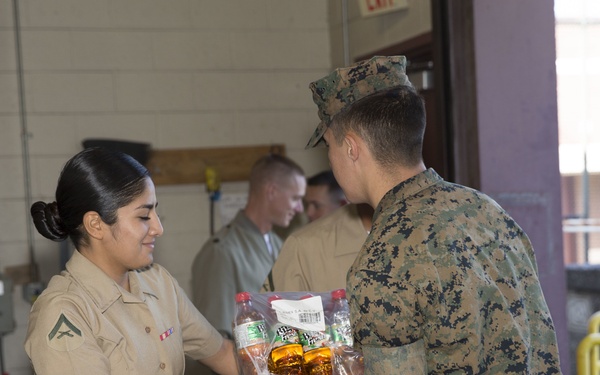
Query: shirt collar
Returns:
{"type": "Point", "coordinates": [406, 189]}
{"type": "Point", "coordinates": [244, 222]}
{"type": "Point", "coordinates": [103, 290]}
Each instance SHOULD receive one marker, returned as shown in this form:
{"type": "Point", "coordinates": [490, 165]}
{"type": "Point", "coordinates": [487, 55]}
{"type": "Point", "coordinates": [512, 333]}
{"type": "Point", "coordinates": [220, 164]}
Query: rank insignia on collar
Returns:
{"type": "Point", "coordinates": [65, 335]}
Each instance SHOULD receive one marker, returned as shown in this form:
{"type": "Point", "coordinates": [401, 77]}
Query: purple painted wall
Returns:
{"type": "Point", "coordinates": [518, 132]}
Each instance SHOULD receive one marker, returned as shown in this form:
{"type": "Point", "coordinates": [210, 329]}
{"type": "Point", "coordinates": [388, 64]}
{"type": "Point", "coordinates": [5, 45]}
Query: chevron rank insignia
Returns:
{"type": "Point", "coordinates": [65, 336]}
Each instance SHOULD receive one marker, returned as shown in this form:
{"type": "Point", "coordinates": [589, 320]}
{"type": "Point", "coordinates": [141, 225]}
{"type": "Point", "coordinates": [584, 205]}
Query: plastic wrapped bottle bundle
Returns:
{"type": "Point", "coordinates": [295, 333]}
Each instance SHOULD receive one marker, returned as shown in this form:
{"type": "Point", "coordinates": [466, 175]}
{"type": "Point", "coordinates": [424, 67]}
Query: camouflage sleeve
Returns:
{"type": "Point", "coordinates": [407, 359]}
{"type": "Point", "coordinates": [389, 288]}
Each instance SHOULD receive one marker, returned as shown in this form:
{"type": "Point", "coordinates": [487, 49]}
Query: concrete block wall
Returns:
{"type": "Point", "coordinates": [175, 74]}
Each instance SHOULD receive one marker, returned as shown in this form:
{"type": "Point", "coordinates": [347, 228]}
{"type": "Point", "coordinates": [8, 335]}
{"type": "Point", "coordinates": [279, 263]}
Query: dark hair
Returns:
{"type": "Point", "coordinates": [273, 167]}
{"type": "Point", "coordinates": [391, 122]}
{"type": "Point", "coordinates": [325, 178]}
{"type": "Point", "coordinates": [96, 179]}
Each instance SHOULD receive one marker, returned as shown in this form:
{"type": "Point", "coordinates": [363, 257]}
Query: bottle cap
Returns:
{"type": "Point", "coordinates": [243, 296]}
{"type": "Point", "coordinates": [338, 293]}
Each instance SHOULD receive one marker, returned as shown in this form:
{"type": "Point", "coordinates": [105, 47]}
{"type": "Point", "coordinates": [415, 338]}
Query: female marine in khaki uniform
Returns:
{"type": "Point", "coordinates": [112, 311]}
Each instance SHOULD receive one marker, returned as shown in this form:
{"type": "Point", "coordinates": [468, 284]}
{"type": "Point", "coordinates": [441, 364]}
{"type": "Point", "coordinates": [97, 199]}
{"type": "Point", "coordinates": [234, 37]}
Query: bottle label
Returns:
{"type": "Point", "coordinates": [341, 334]}
{"type": "Point", "coordinates": [306, 314]}
{"type": "Point", "coordinates": [284, 334]}
{"type": "Point", "coordinates": [313, 339]}
{"type": "Point", "coordinates": [249, 334]}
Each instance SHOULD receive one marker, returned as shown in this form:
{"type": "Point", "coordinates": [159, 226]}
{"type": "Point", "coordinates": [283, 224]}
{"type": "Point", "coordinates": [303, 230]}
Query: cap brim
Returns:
{"type": "Point", "coordinates": [317, 137]}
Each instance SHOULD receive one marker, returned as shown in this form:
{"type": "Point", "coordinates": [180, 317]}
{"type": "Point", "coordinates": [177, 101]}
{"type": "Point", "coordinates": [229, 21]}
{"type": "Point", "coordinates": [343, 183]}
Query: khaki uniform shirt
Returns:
{"type": "Point", "coordinates": [317, 256]}
{"type": "Point", "coordinates": [447, 283]}
{"type": "Point", "coordinates": [236, 259]}
{"type": "Point", "coordinates": [85, 324]}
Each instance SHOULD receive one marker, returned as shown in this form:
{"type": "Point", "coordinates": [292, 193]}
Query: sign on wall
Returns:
{"type": "Point", "coordinates": [376, 7]}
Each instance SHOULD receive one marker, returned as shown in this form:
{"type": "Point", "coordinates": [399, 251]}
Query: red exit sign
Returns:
{"type": "Point", "coordinates": [375, 7]}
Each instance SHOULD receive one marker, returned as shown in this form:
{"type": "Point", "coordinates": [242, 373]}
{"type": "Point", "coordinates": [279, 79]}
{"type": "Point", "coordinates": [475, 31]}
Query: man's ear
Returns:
{"type": "Point", "coordinates": [93, 224]}
{"type": "Point", "coordinates": [271, 189]}
{"type": "Point", "coordinates": [352, 148]}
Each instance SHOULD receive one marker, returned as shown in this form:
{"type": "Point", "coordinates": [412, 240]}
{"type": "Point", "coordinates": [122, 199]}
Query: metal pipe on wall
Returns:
{"type": "Point", "coordinates": [345, 38]}
{"type": "Point", "coordinates": [25, 142]}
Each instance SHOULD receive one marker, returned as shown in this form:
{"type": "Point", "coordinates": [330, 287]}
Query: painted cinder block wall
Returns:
{"type": "Point", "coordinates": [175, 74]}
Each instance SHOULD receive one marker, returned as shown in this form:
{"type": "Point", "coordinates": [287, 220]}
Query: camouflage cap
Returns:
{"type": "Point", "coordinates": [344, 86]}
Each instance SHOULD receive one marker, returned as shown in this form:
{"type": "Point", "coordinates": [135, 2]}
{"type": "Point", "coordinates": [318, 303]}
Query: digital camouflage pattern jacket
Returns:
{"type": "Point", "coordinates": [447, 283]}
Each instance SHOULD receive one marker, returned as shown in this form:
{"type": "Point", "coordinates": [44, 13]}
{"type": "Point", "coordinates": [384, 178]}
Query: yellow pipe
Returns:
{"type": "Point", "coordinates": [594, 323]}
{"type": "Point", "coordinates": [585, 364]}
{"type": "Point", "coordinates": [594, 327]}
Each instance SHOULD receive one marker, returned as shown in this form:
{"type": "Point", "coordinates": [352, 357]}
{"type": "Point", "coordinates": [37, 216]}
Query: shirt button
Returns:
{"type": "Point", "coordinates": [148, 329]}
{"type": "Point", "coordinates": [162, 366]}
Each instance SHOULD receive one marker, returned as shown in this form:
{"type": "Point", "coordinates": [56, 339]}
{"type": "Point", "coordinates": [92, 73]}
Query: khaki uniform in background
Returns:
{"type": "Point", "coordinates": [317, 256]}
{"type": "Point", "coordinates": [85, 324]}
{"type": "Point", "coordinates": [447, 282]}
{"type": "Point", "coordinates": [236, 259]}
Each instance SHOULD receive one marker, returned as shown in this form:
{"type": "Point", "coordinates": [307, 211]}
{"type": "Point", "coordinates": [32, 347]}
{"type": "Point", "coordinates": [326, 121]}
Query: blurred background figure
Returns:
{"type": "Point", "coordinates": [317, 257]}
{"type": "Point", "coordinates": [323, 195]}
{"type": "Point", "coordinates": [240, 255]}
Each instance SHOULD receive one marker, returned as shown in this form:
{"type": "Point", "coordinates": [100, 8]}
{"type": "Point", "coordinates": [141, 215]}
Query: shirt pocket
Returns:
{"type": "Point", "coordinates": [113, 345]}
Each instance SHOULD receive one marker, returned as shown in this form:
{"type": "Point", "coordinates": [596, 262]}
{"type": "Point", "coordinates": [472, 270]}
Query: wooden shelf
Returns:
{"type": "Point", "coordinates": [187, 166]}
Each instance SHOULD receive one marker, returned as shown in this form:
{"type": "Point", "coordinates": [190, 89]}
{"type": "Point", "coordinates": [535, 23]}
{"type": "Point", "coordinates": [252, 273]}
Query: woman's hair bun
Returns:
{"type": "Point", "coordinates": [47, 221]}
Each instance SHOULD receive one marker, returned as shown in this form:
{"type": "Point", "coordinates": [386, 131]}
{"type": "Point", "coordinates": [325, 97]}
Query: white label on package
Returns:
{"type": "Point", "coordinates": [306, 314]}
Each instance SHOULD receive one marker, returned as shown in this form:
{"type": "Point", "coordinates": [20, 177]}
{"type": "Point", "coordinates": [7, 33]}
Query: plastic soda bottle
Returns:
{"type": "Point", "coordinates": [286, 351]}
{"type": "Point", "coordinates": [250, 333]}
{"type": "Point", "coordinates": [346, 360]}
{"type": "Point", "coordinates": [341, 329]}
{"type": "Point", "coordinates": [317, 354]}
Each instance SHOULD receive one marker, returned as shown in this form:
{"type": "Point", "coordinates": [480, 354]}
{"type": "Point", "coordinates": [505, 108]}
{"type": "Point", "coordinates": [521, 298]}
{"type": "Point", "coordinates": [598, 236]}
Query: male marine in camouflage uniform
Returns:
{"type": "Point", "coordinates": [446, 282]}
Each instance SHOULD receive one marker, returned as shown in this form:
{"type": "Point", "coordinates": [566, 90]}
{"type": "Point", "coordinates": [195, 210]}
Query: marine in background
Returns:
{"type": "Point", "coordinates": [240, 255]}
{"type": "Point", "coordinates": [323, 195]}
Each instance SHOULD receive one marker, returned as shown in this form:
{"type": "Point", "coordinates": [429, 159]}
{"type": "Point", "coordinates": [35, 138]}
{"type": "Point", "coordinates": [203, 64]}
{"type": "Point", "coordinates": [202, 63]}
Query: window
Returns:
{"type": "Point", "coordinates": [578, 91]}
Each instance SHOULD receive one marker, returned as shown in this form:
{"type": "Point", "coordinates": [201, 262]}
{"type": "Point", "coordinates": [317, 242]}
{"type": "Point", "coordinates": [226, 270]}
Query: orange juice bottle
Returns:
{"type": "Point", "coordinates": [286, 353]}
{"type": "Point", "coordinates": [317, 354]}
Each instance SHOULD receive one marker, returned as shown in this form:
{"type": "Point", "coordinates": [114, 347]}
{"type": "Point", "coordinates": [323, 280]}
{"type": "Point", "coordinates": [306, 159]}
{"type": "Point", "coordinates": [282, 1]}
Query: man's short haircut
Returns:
{"type": "Point", "coordinates": [273, 167]}
{"type": "Point", "coordinates": [392, 123]}
{"type": "Point", "coordinates": [327, 178]}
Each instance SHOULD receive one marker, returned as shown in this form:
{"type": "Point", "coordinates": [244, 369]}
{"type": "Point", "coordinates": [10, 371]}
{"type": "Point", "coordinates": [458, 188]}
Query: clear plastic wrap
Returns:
{"type": "Point", "coordinates": [308, 315]}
